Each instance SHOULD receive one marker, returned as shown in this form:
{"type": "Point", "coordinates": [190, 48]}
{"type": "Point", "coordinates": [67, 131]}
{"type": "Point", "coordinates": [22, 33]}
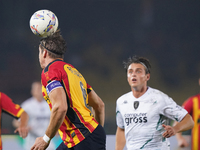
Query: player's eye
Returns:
{"type": "Point", "coordinates": [138, 71]}
{"type": "Point", "coordinates": [130, 71]}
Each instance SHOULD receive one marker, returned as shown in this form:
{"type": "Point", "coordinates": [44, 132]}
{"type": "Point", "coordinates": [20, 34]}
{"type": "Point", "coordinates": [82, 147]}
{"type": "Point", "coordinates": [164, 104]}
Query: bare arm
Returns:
{"type": "Point", "coordinates": [98, 105]}
{"type": "Point", "coordinates": [120, 139]}
{"type": "Point", "coordinates": [58, 112]}
{"type": "Point", "coordinates": [182, 142]}
{"type": "Point", "coordinates": [185, 124]}
{"type": "Point", "coordinates": [22, 127]}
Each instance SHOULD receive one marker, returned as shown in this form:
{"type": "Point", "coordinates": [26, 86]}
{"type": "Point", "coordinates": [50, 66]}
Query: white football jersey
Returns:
{"type": "Point", "coordinates": [39, 117]}
{"type": "Point", "coordinates": [142, 119]}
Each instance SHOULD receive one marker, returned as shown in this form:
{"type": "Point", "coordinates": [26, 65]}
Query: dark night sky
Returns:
{"type": "Point", "coordinates": [100, 36]}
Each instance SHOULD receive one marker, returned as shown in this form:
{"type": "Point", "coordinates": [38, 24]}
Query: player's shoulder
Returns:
{"type": "Point", "coordinates": [124, 96]}
{"type": "Point", "coordinates": [28, 102]}
{"type": "Point", "coordinates": [3, 94]}
{"type": "Point", "coordinates": [194, 96]}
{"type": "Point", "coordinates": [5, 98]}
{"type": "Point", "coordinates": [53, 71]}
{"type": "Point", "coordinates": [156, 92]}
{"type": "Point", "coordinates": [191, 98]}
{"type": "Point", "coordinates": [58, 66]}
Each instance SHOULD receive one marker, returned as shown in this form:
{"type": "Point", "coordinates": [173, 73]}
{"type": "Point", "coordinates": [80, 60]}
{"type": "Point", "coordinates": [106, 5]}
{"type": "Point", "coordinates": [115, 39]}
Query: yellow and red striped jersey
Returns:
{"type": "Point", "coordinates": [79, 121]}
{"type": "Point", "coordinates": [192, 105]}
{"type": "Point", "coordinates": [7, 106]}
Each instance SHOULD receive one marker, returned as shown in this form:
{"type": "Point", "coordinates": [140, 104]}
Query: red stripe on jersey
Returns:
{"type": "Point", "coordinates": [50, 105]}
{"type": "Point", "coordinates": [86, 124]}
{"type": "Point", "coordinates": [71, 141]}
{"type": "Point", "coordinates": [79, 135]}
{"type": "Point", "coordinates": [63, 127]}
{"type": "Point", "coordinates": [65, 134]}
{"type": "Point", "coordinates": [95, 121]}
{"type": "Point", "coordinates": [76, 130]}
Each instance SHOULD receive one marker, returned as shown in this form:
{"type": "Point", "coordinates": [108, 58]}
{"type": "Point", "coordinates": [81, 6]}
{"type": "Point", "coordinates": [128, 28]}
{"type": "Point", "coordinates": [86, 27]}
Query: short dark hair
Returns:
{"type": "Point", "coordinates": [54, 44]}
{"type": "Point", "coordinates": [138, 60]}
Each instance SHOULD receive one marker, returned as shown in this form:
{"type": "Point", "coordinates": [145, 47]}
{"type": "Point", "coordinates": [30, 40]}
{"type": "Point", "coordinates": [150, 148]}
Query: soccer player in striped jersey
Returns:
{"type": "Point", "coordinates": [142, 114]}
{"type": "Point", "coordinates": [70, 99]}
{"type": "Point", "coordinates": [7, 106]}
{"type": "Point", "coordinates": [192, 105]}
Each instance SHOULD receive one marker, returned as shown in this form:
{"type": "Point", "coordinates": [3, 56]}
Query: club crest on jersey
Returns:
{"type": "Point", "coordinates": [136, 104]}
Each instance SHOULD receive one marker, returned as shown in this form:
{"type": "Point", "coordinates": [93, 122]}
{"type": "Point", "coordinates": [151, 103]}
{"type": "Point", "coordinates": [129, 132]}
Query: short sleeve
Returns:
{"type": "Point", "coordinates": [51, 75]}
{"type": "Point", "coordinates": [172, 110]}
{"type": "Point", "coordinates": [9, 107]}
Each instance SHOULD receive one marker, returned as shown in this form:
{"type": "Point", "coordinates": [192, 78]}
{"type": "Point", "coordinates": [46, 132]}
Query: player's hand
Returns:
{"type": "Point", "coordinates": [23, 131]}
{"type": "Point", "coordinates": [169, 131]}
{"type": "Point", "coordinates": [39, 144]}
{"type": "Point", "coordinates": [182, 142]}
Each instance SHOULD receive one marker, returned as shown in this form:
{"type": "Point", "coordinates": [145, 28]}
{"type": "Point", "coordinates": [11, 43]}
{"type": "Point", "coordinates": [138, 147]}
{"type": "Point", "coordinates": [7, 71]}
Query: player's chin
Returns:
{"type": "Point", "coordinates": [134, 86]}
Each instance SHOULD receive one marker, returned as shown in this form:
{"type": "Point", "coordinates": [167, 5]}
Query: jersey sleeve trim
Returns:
{"type": "Point", "coordinates": [20, 112]}
{"type": "Point", "coordinates": [53, 85]}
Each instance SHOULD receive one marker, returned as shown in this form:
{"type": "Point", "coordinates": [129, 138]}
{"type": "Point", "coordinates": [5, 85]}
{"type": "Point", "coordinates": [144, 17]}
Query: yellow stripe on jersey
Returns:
{"type": "Point", "coordinates": [77, 89]}
{"type": "Point", "coordinates": [20, 112]}
{"type": "Point", "coordinates": [195, 131]}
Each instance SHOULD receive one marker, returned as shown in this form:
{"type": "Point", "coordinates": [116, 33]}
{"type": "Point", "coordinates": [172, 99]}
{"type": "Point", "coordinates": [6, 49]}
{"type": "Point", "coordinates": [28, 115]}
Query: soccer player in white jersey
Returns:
{"type": "Point", "coordinates": [142, 114]}
{"type": "Point", "coordinates": [39, 116]}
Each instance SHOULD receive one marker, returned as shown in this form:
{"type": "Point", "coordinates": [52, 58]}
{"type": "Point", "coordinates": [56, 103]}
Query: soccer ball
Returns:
{"type": "Point", "coordinates": [43, 23]}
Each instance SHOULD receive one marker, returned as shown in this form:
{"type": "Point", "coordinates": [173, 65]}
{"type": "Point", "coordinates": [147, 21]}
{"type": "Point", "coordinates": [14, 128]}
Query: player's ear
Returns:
{"type": "Point", "coordinates": [44, 54]}
{"type": "Point", "coordinates": [148, 76]}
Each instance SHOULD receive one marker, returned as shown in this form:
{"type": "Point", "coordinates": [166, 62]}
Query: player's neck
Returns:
{"type": "Point", "coordinates": [49, 60]}
{"type": "Point", "coordinates": [139, 91]}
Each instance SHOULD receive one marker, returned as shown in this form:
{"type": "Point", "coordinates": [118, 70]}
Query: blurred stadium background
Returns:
{"type": "Point", "coordinates": [101, 34]}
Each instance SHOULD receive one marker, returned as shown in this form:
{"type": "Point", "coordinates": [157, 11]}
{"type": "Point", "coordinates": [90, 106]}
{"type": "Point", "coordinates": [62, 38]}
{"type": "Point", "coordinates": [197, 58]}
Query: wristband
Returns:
{"type": "Point", "coordinates": [46, 138]}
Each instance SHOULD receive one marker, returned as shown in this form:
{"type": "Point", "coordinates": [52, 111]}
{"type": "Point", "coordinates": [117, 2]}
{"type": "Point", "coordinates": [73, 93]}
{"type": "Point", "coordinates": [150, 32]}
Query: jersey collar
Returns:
{"type": "Point", "coordinates": [47, 67]}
